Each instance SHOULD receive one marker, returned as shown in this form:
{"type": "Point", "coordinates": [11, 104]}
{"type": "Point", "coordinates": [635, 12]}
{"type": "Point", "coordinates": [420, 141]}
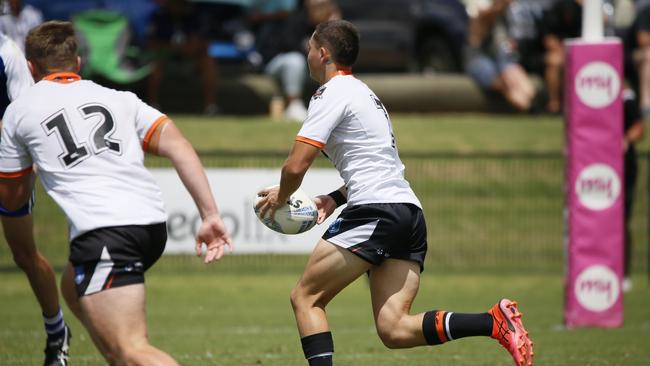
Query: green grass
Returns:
{"type": "Point", "coordinates": [211, 316]}
{"type": "Point", "coordinates": [495, 229]}
{"type": "Point", "coordinates": [414, 133]}
{"type": "Point", "coordinates": [458, 133]}
{"type": "Point", "coordinates": [510, 205]}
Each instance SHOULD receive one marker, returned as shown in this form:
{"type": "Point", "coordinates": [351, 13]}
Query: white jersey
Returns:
{"type": "Point", "coordinates": [350, 124]}
{"type": "Point", "coordinates": [13, 68]}
{"type": "Point", "coordinates": [18, 27]}
{"type": "Point", "coordinates": [87, 143]}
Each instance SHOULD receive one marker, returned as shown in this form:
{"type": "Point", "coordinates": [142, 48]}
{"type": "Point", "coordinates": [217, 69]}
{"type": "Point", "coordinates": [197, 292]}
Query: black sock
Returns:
{"type": "Point", "coordinates": [441, 326]}
{"type": "Point", "coordinates": [320, 361]}
{"type": "Point", "coordinates": [318, 349]}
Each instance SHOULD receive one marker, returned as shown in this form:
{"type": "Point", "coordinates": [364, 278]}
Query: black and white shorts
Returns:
{"type": "Point", "coordinates": [378, 231]}
{"type": "Point", "coordinates": [115, 256]}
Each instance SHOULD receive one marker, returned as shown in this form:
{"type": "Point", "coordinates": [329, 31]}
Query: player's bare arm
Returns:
{"type": "Point", "coordinates": [300, 158]}
{"type": "Point", "coordinates": [15, 190]}
{"type": "Point", "coordinates": [168, 141]}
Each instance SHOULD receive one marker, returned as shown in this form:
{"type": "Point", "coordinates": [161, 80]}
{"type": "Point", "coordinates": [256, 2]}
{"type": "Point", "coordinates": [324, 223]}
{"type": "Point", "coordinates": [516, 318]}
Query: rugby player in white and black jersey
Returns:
{"type": "Point", "coordinates": [18, 227]}
{"type": "Point", "coordinates": [382, 230]}
{"type": "Point", "coordinates": [88, 144]}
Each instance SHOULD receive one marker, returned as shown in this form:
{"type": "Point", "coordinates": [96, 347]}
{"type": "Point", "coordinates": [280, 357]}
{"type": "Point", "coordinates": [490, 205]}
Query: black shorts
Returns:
{"type": "Point", "coordinates": [115, 256]}
{"type": "Point", "coordinates": [23, 211]}
{"type": "Point", "coordinates": [378, 231]}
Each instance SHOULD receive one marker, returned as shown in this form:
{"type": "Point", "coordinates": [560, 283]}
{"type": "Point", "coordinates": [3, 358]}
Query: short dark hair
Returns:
{"type": "Point", "coordinates": [52, 46]}
{"type": "Point", "coordinates": [341, 38]}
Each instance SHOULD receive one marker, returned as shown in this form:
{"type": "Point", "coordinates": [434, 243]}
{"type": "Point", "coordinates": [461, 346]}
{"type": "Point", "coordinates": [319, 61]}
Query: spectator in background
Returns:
{"type": "Point", "coordinates": [634, 131]}
{"type": "Point", "coordinates": [563, 20]}
{"type": "Point", "coordinates": [282, 36]}
{"type": "Point", "coordinates": [174, 32]}
{"type": "Point", "coordinates": [524, 20]}
{"type": "Point", "coordinates": [19, 19]}
{"type": "Point", "coordinates": [637, 56]}
{"type": "Point", "coordinates": [489, 56]}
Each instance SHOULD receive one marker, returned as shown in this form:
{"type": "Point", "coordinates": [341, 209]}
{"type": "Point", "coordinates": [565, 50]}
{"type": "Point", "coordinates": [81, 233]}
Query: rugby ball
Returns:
{"type": "Point", "coordinates": [296, 216]}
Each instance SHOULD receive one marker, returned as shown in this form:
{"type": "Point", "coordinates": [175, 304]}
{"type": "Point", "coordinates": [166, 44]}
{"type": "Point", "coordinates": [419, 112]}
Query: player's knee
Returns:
{"type": "Point", "coordinates": [297, 298]}
{"type": "Point", "coordinates": [393, 331]}
{"type": "Point", "coordinates": [392, 338]}
{"type": "Point", "coordinates": [302, 299]}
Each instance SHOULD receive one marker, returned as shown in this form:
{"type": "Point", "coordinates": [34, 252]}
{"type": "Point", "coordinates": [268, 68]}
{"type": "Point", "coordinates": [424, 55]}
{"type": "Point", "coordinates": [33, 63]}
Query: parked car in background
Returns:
{"type": "Point", "coordinates": [408, 35]}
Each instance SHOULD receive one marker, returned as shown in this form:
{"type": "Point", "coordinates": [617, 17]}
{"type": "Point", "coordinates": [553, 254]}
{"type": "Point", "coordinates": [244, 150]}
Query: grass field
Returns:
{"type": "Point", "coordinates": [473, 196]}
{"type": "Point", "coordinates": [238, 313]}
{"type": "Point", "coordinates": [414, 133]}
{"type": "Point", "coordinates": [460, 133]}
{"type": "Point", "coordinates": [207, 316]}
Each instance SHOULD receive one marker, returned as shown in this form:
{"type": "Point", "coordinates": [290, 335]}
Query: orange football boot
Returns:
{"type": "Point", "coordinates": [510, 332]}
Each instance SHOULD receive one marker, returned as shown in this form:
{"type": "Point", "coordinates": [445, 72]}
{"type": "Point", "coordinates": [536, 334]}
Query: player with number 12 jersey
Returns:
{"type": "Point", "coordinates": [83, 120]}
{"type": "Point", "coordinates": [88, 143]}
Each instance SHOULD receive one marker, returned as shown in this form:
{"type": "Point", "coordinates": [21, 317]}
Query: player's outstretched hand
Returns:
{"type": "Point", "coordinates": [326, 206]}
{"type": "Point", "coordinates": [215, 236]}
{"type": "Point", "coordinates": [269, 202]}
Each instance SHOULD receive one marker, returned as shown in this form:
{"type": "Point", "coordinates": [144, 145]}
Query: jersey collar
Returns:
{"type": "Point", "coordinates": [63, 77]}
{"type": "Point", "coordinates": [344, 72]}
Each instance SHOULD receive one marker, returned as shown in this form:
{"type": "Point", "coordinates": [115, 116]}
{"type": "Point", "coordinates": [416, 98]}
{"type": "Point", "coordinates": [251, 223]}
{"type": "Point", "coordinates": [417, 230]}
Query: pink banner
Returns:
{"type": "Point", "coordinates": [594, 118]}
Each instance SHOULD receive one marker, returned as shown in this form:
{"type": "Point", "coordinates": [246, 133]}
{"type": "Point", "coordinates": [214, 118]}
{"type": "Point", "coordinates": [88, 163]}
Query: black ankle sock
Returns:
{"type": "Point", "coordinates": [320, 361]}
{"type": "Point", "coordinates": [441, 326]}
{"type": "Point", "coordinates": [318, 348]}
{"type": "Point", "coordinates": [468, 325]}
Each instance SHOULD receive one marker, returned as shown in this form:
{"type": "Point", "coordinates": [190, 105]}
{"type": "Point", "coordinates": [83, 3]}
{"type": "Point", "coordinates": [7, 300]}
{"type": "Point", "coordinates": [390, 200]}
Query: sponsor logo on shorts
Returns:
{"type": "Point", "coordinates": [79, 274]}
{"type": "Point", "coordinates": [383, 252]}
{"type": "Point", "coordinates": [135, 266]}
{"type": "Point", "coordinates": [335, 227]}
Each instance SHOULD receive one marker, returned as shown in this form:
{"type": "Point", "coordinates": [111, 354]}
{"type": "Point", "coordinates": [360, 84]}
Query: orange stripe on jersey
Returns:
{"type": "Point", "coordinates": [440, 326]}
{"type": "Point", "coordinates": [18, 174]}
{"type": "Point", "coordinates": [63, 77]}
{"type": "Point", "coordinates": [319, 145]}
{"type": "Point", "coordinates": [152, 129]}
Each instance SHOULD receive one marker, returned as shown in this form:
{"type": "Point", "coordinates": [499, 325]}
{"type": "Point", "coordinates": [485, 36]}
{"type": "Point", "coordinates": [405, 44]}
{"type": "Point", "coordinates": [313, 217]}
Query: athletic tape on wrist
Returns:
{"type": "Point", "coordinates": [338, 197]}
